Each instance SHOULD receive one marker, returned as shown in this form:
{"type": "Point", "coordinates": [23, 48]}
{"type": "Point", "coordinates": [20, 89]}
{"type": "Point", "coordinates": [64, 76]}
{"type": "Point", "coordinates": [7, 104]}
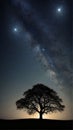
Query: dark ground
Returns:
{"type": "Point", "coordinates": [35, 124]}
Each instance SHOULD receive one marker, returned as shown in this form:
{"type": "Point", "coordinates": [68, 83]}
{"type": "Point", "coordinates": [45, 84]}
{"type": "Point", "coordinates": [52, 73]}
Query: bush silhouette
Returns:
{"type": "Point", "coordinates": [41, 99]}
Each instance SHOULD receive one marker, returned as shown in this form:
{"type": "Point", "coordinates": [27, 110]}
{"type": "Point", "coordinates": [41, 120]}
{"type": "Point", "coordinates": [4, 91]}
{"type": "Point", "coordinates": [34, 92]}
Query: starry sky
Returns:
{"type": "Point", "coordinates": [35, 47]}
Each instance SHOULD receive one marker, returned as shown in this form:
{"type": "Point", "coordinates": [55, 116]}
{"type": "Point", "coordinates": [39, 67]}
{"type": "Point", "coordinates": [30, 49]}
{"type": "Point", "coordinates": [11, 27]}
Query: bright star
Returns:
{"type": "Point", "coordinates": [15, 29]}
{"type": "Point", "coordinates": [59, 9]}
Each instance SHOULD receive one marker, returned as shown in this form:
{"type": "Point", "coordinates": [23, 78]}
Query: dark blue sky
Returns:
{"type": "Point", "coordinates": [35, 47]}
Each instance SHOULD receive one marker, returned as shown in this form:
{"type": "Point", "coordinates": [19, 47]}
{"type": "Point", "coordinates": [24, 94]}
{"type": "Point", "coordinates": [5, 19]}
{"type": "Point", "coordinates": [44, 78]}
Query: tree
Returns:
{"type": "Point", "coordinates": [41, 99]}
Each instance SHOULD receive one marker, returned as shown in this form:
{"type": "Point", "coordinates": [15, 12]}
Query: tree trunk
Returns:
{"type": "Point", "coordinates": [41, 115]}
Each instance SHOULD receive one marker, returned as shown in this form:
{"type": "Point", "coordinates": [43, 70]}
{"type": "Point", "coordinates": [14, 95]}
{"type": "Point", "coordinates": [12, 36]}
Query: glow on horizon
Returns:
{"type": "Point", "coordinates": [11, 112]}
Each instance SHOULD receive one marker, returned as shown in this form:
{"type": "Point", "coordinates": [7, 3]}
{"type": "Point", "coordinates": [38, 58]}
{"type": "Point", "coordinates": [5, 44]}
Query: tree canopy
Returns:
{"type": "Point", "coordinates": [41, 99]}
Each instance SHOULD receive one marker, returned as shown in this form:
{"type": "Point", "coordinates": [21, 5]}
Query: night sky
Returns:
{"type": "Point", "coordinates": [35, 47]}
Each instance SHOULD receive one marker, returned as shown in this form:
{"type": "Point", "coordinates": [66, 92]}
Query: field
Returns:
{"type": "Point", "coordinates": [36, 124]}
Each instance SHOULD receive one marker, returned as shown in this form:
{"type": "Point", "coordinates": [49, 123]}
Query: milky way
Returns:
{"type": "Point", "coordinates": [36, 47]}
{"type": "Point", "coordinates": [48, 35]}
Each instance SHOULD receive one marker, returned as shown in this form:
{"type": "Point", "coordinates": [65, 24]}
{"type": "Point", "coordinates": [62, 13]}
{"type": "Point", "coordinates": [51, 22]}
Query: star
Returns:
{"type": "Point", "coordinates": [15, 29]}
{"type": "Point", "coordinates": [59, 9]}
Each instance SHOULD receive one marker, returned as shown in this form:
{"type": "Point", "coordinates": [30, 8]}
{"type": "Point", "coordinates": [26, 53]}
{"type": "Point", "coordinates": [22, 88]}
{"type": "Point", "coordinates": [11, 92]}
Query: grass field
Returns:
{"type": "Point", "coordinates": [36, 124]}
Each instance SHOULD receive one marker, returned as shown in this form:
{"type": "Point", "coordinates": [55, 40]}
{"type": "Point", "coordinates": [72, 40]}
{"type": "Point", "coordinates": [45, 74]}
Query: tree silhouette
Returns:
{"type": "Point", "coordinates": [41, 99]}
